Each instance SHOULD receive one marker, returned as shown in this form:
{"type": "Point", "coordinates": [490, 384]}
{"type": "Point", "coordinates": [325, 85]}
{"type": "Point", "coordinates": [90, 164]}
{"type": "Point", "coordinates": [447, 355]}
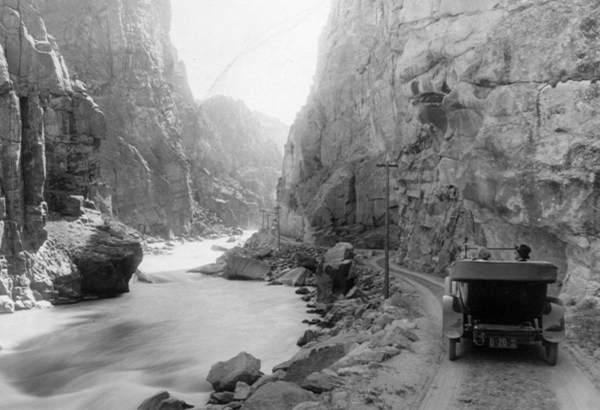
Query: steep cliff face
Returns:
{"type": "Point", "coordinates": [50, 130]}
{"type": "Point", "coordinates": [490, 109]}
{"type": "Point", "coordinates": [50, 134]}
{"type": "Point", "coordinates": [122, 51]}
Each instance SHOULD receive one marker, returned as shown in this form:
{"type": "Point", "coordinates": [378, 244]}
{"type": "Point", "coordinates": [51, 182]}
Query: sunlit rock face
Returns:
{"type": "Point", "coordinates": [121, 50]}
{"type": "Point", "coordinates": [490, 108]}
{"type": "Point", "coordinates": [50, 130]}
{"type": "Point", "coordinates": [234, 165]}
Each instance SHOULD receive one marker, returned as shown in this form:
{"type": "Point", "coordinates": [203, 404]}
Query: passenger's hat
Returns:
{"type": "Point", "coordinates": [523, 251]}
{"type": "Point", "coordinates": [483, 253]}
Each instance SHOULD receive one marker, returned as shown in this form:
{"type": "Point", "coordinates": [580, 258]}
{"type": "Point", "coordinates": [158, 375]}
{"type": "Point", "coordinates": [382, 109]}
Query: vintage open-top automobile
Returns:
{"type": "Point", "coordinates": [502, 304]}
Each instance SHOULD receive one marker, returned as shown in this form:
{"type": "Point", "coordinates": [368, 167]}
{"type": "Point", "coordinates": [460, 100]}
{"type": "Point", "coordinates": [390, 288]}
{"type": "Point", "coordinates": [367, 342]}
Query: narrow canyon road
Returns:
{"type": "Point", "coordinates": [483, 378]}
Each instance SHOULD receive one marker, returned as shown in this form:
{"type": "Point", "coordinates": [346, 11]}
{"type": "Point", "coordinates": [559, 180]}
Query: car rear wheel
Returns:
{"type": "Point", "coordinates": [551, 353]}
{"type": "Point", "coordinates": [452, 349]}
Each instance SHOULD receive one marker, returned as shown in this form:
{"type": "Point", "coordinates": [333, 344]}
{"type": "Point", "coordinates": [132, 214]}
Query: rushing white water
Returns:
{"type": "Point", "coordinates": [114, 353]}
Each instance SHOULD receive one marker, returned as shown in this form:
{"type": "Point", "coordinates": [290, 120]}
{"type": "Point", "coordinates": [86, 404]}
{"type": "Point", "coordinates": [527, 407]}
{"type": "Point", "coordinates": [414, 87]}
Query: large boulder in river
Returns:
{"type": "Point", "coordinates": [243, 368]}
{"type": "Point", "coordinates": [90, 256]}
{"type": "Point", "coordinates": [278, 395]}
{"type": "Point", "coordinates": [241, 267]}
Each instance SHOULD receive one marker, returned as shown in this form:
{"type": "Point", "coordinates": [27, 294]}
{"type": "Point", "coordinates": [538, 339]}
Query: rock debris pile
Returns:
{"type": "Point", "coordinates": [355, 330]}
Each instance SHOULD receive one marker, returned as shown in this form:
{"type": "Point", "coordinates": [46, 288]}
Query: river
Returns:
{"type": "Point", "coordinates": [114, 353]}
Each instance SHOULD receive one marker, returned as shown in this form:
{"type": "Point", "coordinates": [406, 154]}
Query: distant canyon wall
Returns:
{"type": "Point", "coordinates": [490, 108]}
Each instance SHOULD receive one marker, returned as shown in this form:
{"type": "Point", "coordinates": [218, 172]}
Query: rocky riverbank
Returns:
{"type": "Point", "coordinates": [355, 335]}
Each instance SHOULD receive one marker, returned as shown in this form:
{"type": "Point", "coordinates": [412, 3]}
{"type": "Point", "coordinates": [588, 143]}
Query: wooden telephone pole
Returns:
{"type": "Point", "coordinates": [386, 284]}
{"type": "Point", "coordinates": [277, 209]}
{"type": "Point", "coordinates": [262, 211]}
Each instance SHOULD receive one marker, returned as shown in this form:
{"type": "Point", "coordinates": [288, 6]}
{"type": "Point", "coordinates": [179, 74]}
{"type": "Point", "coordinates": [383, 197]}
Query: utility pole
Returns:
{"type": "Point", "coordinates": [386, 284]}
{"type": "Point", "coordinates": [277, 209]}
{"type": "Point", "coordinates": [262, 211]}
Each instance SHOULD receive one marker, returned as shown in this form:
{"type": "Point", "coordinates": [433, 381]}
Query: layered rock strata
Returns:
{"type": "Point", "coordinates": [489, 108]}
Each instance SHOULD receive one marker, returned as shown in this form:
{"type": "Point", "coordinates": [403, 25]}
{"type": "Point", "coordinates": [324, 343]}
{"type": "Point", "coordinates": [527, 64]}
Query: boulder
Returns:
{"type": "Point", "coordinates": [6, 304]}
{"type": "Point", "coordinates": [210, 269]}
{"type": "Point", "coordinates": [305, 260]}
{"type": "Point", "coordinates": [164, 401]}
{"type": "Point", "coordinates": [107, 263]}
{"type": "Point", "coordinates": [341, 251]}
{"type": "Point", "coordinates": [278, 395]}
{"type": "Point", "coordinates": [243, 268]}
{"type": "Point", "coordinates": [334, 278]}
{"type": "Point", "coordinates": [315, 361]}
{"type": "Point", "coordinates": [294, 277]}
{"type": "Point", "coordinates": [222, 397]}
{"type": "Point", "coordinates": [243, 368]}
{"type": "Point", "coordinates": [218, 248]}
{"type": "Point", "coordinates": [6, 286]}
{"type": "Point", "coordinates": [322, 381]}
{"type": "Point", "coordinates": [242, 391]}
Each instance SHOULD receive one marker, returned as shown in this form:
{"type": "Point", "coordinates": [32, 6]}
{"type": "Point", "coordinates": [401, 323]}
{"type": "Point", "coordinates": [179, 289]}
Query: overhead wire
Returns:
{"type": "Point", "coordinates": [257, 41]}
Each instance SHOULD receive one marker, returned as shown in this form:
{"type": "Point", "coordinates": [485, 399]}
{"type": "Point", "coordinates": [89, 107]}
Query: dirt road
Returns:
{"type": "Point", "coordinates": [485, 378]}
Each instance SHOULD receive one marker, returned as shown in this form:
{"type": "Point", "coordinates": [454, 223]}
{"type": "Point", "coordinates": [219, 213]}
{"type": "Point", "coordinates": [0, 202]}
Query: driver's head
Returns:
{"type": "Point", "coordinates": [522, 252]}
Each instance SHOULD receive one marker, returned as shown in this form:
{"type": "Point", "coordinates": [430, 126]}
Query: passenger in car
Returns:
{"type": "Point", "coordinates": [483, 254]}
{"type": "Point", "coordinates": [522, 253]}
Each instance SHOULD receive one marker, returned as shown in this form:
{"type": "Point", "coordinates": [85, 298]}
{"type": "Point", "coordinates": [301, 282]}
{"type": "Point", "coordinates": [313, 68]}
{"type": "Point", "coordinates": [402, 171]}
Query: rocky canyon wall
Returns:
{"type": "Point", "coordinates": [163, 156]}
{"type": "Point", "coordinates": [50, 130]}
{"type": "Point", "coordinates": [490, 109]}
{"type": "Point", "coordinates": [122, 51]}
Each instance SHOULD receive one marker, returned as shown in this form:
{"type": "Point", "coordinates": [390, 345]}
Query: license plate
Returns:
{"type": "Point", "coordinates": [502, 343]}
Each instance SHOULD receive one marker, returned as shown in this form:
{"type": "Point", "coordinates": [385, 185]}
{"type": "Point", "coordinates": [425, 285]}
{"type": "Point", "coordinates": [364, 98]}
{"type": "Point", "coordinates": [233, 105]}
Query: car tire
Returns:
{"type": "Point", "coordinates": [551, 353]}
{"type": "Point", "coordinates": [452, 349]}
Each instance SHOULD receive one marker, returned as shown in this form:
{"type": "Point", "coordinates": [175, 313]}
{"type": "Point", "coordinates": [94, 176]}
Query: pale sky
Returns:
{"type": "Point", "coordinates": [263, 52]}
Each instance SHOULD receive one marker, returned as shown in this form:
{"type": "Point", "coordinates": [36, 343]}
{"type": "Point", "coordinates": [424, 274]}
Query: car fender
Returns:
{"type": "Point", "coordinates": [452, 317]}
{"type": "Point", "coordinates": [553, 321]}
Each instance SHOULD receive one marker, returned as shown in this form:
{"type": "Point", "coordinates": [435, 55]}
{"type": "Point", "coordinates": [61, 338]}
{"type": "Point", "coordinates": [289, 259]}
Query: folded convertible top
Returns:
{"type": "Point", "coordinates": [533, 271]}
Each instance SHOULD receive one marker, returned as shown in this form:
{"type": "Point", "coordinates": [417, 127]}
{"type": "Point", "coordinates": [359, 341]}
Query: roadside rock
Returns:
{"type": "Point", "coordinates": [278, 395]}
{"type": "Point", "coordinates": [294, 277]}
{"type": "Point", "coordinates": [243, 368]}
{"type": "Point", "coordinates": [164, 401]}
{"type": "Point", "coordinates": [6, 304]}
{"type": "Point", "coordinates": [333, 278]}
{"type": "Point", "coordinates": [240, 267]}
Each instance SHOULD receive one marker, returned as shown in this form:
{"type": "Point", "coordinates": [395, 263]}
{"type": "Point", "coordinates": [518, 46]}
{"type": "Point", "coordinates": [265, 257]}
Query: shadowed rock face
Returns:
{"type": "Point", "coordinates": [50, 130]}
{"type": "Point", "coordinates": [162, 151]}
{"type": "Point", "coordinates": [122, 51]}
{"type": "Point", "coordinates": [490, 109]}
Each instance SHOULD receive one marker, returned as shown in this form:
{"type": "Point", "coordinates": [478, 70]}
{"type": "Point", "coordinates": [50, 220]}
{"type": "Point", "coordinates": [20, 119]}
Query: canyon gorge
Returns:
{"type": "Point", "coordinates": [99, 128]}
{"type": "Point", "coordinates": [488, 107]}
{"type": "Point", "coordinates": [490, 110]}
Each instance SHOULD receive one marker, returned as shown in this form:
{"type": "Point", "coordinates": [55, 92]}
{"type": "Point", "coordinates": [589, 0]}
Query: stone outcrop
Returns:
{"type": "Point", "coordinates": [242, 368]}
{"type": "Point", "coordinates": [51, 132]}
{"type": "Point", "coordinates": [334, 274]}
{"type": "Point", "coordinates": [490, 110]}
{"type": "Point", "coordinates": [278, 395]}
